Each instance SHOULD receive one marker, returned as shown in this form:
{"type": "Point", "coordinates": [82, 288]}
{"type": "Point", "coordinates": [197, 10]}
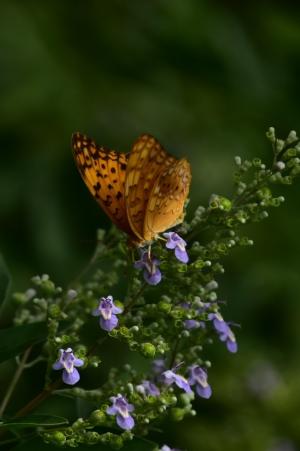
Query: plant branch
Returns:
{"type": "Point", "coordinates": [14, 381]}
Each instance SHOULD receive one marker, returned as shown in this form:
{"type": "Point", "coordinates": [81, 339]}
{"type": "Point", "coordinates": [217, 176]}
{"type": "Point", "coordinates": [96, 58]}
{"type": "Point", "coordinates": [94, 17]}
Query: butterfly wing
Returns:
{"type": "Point", "coordinates": [167, 198]}
{"type": "Point", "coordinates": [146, 160]}
{"type": "Point", "coordinates": [103, 172]}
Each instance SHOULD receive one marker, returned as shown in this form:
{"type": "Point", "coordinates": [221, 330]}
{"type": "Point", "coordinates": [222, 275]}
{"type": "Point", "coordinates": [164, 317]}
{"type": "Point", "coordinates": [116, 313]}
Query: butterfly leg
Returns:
{"type": "Point", "coordinates": [149, 252]}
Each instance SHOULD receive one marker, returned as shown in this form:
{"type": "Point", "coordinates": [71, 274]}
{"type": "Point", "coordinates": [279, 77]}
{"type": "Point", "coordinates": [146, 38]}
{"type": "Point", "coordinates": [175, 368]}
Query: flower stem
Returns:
{"type": "Point", "coordinates": [44, 394]}
{"type": "Point", "coordinates": [174, 353]}
{"type": "Point", "coordinates": [135, 298]}
{"type": "Point", "coordinates": [14, 381]}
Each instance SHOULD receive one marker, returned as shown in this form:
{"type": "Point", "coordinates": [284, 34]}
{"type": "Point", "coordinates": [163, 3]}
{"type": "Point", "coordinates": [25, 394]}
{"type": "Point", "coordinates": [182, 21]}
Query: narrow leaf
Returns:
{"type": "Point", "coordinates": [34, 421]}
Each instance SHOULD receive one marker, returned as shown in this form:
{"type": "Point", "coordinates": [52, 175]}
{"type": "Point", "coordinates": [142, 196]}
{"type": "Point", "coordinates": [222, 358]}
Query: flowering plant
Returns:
{"type": "Point", "coordinates": [168, 314]}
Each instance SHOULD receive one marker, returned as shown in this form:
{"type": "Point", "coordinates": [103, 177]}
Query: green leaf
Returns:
{"type": "Point", "coordinates": [36, 444]}
{"type": "Point", "coordinates": [5, 281]}
{"type": "Point", "coordinates": [16, 339]}
{"type": "Point", "coordinates": [34, 421]}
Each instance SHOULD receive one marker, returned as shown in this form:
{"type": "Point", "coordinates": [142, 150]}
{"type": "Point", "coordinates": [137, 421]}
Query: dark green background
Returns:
{"type": "Point", "coordinates": [207, 79]}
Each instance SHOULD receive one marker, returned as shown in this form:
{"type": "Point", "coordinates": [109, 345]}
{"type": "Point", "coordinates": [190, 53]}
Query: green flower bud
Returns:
{"type": "Point", "coordinates": [100, 234]}
{"type": "Point", "coordinates": [245, 241]}
{"type": "Point", "coordinates": [177, 414]}
{"type": "Point", "coordinates": [148, 350]}
{"type": "Point", "coordinates": [279, 145]}
{"type": "Point", "coordinates": [198, 264]}
{"type": "Point", "coordinates": [222, 248]}
{"type": "Point", "coordinates": [164, 307]}
{"type": "Point", "coordinates": [280, 165]}
{"type": "Point", "coordinates": [91, 437]}
{"type": "Point", "coordinates": [97, 417]}
{"type": "Point", "coordinates": [20, 298]}
{"type": "Point", "coordinates": [256, 162]}
{"type": "Point", "coordinates": [127, 435]}
{"type": "Point", "coordinates": [241, 188]}
{"type": "Point", "coordinates": [186, 398]}
{"type": "Point", "coordinates": [242, 216]}
{"type": "Point", "coordinates": [264, 193]}
{"type": "Point", "coordinates": [292, 136]}
{"type": "Point", "coordinates": [116, 442]}
{"type": "Point", "coordinates": [125, 332]}
{"type": "Point", "coordinates": [225, 204]}
{"type": "Point", "coordinates": [182, 267]}
{"type": "Point", "coordinates": [54, 311]}
{"type": "Point", "coordinates": [48, 287]}
{"type": "Point", "coordinates": [214, 201]}
{"type": "Point", "coordinates": [57, 438]}
{"type": "Point", "coordinates": [271, 134]}
{"type": "Point", "coordinates": [295, 171]}
{"type": "Point", "coordinates": [287, 180]}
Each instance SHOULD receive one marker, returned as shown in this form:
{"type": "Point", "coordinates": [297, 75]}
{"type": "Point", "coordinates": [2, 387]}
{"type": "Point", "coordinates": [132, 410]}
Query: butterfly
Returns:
{"type": "Point", "coordinates": [143, 192]}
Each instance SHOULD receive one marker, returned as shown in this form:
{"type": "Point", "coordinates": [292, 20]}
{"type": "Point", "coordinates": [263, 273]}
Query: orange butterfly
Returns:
{"type": "Point", "coordinates": [143, 192]}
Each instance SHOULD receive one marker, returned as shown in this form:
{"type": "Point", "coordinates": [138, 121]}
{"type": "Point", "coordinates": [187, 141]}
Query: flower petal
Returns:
{"type": "Point", "coordinates": [78, 362]}
{"type": "Point", "coordinates": [116, 310]}
{"type": "Point", "coordinates": [125, 423]}
{"type": "Point", "coordinates": [111, 410]}
{"type": "Point", "coordinates": [57, 365]}
{"type": "Point", "coordinates": [152, 279]}
{"type": "Point", "coordinates": [204, 392]}
{"type": "Point", "coordinates": [70, 378]}
{"type": "Point", "coordinates": [109, 324]}
{"type": "Point", "coordinates": [181, 382]}
{"type": "Point", "coordinates": [181, 255]}
{"type": "Point", "coordinates": [191, 324]}
{"type": "Point", "coordinates": [232, 346]}
{"type": "Point", "coordinates": [96, 312]}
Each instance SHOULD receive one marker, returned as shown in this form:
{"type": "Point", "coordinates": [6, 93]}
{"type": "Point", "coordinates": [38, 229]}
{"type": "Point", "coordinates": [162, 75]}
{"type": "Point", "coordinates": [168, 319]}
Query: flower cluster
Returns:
{"type": "Point", "coordinates": [165, 326]}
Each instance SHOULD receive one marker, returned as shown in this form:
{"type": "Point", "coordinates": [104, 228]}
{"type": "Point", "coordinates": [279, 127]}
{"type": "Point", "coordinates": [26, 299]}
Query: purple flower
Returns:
{"type": "Point", "coordinates": [107, 312]}
{"type": "Point", "coordinates": [121, 409]}
{"type": "Point", "coordinates": [152, 274]}
{"type": "Point", "coordinates": [67, 362]}
{"type": "Point", "coordinates": [171, 377]}
{"type": "Point", "coordinates": [198, 377]}
{"type": "Point", "coordinates": [150, 388]}
{"type": "Point", "coordinates": [224, 331]}
{"type": "Point", "coordinates": [158, 366]}
{"type": "Point", "coordinates": [190, 324]}
{"type": "Point", "coordinates": [174, 241]}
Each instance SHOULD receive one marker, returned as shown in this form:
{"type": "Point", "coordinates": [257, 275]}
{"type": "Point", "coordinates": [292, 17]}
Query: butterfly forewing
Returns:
{"type": "Point", "coordinates": [167, 198]}
{"type": "Point", "coordinates": [147, 159]}
{"type": "Point", "coordinates": [103, 171]}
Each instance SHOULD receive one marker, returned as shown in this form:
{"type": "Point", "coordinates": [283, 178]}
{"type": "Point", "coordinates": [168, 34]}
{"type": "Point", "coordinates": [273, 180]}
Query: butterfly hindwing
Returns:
{"type": "Point", "coordinates": [146, 160]}
{"type": "Point", "coordinates": [104, 172]}
{"type": "Point", "coordinates": [167, 198]}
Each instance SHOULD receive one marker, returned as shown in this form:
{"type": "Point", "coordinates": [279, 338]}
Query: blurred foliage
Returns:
{"type": "Point", "coordinates": [205, 78]}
